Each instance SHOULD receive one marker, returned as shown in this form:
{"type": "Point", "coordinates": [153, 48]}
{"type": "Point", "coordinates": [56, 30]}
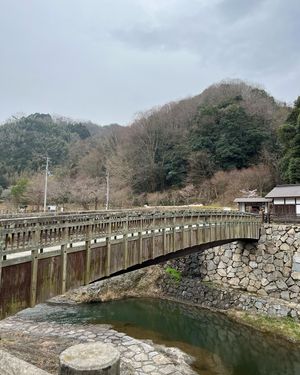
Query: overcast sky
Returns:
{"type": "Point", "coordinates": [105, 60]}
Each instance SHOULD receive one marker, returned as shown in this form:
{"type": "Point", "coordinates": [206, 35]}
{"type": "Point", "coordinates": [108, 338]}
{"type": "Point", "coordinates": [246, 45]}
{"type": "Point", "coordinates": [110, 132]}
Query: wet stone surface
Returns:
{"type": "Point", "coordinates": [137, 357]}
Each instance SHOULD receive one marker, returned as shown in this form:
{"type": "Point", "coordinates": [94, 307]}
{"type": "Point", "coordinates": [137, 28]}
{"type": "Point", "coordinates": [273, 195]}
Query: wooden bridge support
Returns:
{"type": "Point", "coordinates": [34, 270]}
{"type": "Point", "coordinates": [64, 257]}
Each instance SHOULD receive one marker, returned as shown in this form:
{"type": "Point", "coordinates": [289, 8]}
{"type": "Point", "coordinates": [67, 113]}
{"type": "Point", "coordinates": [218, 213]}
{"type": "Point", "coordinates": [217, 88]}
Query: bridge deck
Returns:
{"type": "Point", "coordinates": [43, 256]}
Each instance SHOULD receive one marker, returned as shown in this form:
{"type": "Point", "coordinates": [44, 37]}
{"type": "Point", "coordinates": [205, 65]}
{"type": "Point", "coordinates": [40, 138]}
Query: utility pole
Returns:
{"type": "Point", "coordinates": [46, 183]}
{"type": "Point", "coordinates": [107, 190]}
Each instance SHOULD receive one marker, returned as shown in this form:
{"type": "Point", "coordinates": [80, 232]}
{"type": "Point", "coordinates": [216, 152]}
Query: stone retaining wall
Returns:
{"type": "Point", "coordinates": [268, 268]}
{"type": "Point", "coordinates": [209, 295]}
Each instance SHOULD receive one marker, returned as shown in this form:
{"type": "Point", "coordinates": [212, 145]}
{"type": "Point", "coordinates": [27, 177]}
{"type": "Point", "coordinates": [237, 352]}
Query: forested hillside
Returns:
{"type": "Point", "coordinates": [289, 136]}
{"type": "Point", "coordinates": [202, 149]}
{"type": "Point", "coordinates": [25, 143]}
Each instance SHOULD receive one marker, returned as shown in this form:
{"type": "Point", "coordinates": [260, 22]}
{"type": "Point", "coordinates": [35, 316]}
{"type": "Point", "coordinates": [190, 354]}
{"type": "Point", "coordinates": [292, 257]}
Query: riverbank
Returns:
{"type": "Point", "coordinates": [283, 328]}
{"type": "Point", "coordinates": [40, 344]}
{"type": "Point", "coordinates": [219, 345]}
{"type": "Point", "coordinates": [269, 315]}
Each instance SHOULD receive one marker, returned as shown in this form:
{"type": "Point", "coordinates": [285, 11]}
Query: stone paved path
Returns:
{"type": "Point", "coordinates": [141, 357]}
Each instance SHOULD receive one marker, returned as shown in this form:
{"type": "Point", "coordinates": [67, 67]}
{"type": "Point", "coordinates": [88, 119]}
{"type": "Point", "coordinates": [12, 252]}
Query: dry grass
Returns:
{"type": "Point", "coordinates": [285, 327]}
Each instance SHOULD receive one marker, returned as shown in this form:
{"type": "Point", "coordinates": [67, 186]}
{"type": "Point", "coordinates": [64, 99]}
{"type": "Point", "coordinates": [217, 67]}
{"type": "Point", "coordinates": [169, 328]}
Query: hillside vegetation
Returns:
{"type": "Point", "coordinates": [203, 149]}
{"type": "Point", "coordinates": [289, 135]}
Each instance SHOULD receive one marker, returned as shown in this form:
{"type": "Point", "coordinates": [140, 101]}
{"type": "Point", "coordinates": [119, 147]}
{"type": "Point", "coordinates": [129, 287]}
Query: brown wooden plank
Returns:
{"type": "Point", "coordinates": [15, 288]}
{"type": "Point", "coordinates": [48, 278]}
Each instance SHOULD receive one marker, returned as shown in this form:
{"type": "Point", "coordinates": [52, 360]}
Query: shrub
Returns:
{"type": "Point", "coordinates": [175, 275]}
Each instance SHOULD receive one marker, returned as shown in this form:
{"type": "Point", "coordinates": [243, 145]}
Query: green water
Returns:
{"type": "Point", "coordinates": [220, 346]}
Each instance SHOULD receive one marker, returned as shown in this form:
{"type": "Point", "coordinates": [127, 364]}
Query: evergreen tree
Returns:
{"type": "Point", "coordinates": [289, 136]}
{"type": "Point", "coordinates": [231, 137]}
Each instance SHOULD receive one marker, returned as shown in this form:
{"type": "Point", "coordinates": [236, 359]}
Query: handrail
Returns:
{"type": "Point", "coordinates": [273, 218]}
{"type": "Point", "coordinates": [24, 234]}
{"type": "Point", "coordinates": [122, 213]}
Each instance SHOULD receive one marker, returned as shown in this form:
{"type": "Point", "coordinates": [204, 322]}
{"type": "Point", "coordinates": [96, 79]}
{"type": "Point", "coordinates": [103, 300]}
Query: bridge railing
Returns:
{"type": "Point", "coordinates": [24, 234]}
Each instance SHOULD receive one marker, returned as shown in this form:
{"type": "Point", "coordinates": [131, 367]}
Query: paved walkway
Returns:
{"type": "Point", "coordinates": [11, 365]}
{"type": "Point", "coordinates": [141, 357]}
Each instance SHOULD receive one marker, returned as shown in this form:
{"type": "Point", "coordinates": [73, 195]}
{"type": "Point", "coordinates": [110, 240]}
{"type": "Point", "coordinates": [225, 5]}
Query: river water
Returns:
{"type": "Point", "coordinates": [219, 346]}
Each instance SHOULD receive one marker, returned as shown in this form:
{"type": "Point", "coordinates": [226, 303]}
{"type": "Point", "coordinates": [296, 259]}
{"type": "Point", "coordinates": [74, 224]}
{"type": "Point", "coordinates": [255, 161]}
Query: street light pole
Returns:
{"type": "Point", "coordinates": [46, 183]}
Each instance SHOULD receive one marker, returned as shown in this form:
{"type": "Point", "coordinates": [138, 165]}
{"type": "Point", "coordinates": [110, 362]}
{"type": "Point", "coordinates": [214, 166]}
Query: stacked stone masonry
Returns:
{"type": "Point", "coordinates": [267, 268]}
{"type": "Point", "coordinates": [194, 290]}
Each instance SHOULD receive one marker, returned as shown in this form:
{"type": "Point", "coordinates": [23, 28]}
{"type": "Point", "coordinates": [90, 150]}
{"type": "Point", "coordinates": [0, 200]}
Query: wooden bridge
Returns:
{"type": "Point", "coordinates": [44, 256]}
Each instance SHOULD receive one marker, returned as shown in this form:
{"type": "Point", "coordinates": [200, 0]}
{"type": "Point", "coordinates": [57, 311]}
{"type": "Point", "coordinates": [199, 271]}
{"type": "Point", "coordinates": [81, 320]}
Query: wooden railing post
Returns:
{"type": "Point", "coordinates": [140, 240]}
{"type": "Point", "coordinates": [198, 229]}
{"type": "Point", "coordinates": [87, 274]}
{"type": "Point", "coordinates": [64, 257]}
{"type": "Point", "coordinates": [153, 237]}
{"type": "Point", "coordinates": [183, 232]}
{"type": "Point", "coordinates": [33, 283]}
{"type": "Point", "coordinates": [194, 224]}
{"type": "Point", "coordinates": [125, 237]}
{"type": "Point", "coordinates": [206, 227]}
{"type": "Point", "coordinates": [164, 235]}
{"type": "Point", "coordinates": [108, 248]}
{"type": "Point", "coordinates": [238, 229]}
{"type": "Point", "coordinates": [34, 265]}
{"type": "Point", "coordinates": [242, 226]}
{"type": "Point", "coordinates": [2, 245]}
{"type": "Point", "coordinates": [174, 234]}
{"type": "Point", "coordinates": [233, 228]}
{"type": "Point", "coordinates": [216, 228]}
{"type": "Point", "coordinates": [190, 231]}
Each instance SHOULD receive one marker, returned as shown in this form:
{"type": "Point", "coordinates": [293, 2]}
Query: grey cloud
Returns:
{"type": "Point", "coordinates": [233, 10]}
{"type": "Point", "coordinates": [104, 60]}
{"type": "Point", "coordinates": [266, 40]}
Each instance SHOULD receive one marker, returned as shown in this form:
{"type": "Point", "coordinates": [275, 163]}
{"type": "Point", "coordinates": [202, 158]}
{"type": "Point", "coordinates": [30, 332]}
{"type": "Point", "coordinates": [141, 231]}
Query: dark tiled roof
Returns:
{"type": "Point", "coordinates": [284, 191]}
{"type": "Point", "coordinates": [252, 200]}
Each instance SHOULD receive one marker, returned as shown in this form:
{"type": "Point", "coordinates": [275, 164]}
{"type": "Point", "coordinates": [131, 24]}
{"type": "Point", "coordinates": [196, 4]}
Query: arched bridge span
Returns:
{"type": "Point", "coordinates": [44, 256]}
